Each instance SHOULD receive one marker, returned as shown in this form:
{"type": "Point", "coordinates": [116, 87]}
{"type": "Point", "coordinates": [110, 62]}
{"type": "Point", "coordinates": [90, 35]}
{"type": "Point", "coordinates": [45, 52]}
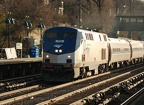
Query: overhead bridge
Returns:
{"type": "Point", "coordinates": [129, 23]}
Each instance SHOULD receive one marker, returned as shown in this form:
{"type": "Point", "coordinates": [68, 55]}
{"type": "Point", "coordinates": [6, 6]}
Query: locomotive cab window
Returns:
{"type": "Point", "coordinates": [69, 35]}
{"type": "Point", "coordinates": [61, 35]}
{"type": "Point", "coordinates": [52, 35]}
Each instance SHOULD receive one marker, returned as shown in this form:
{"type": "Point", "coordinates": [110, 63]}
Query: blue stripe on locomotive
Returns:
{"type": "Point", "coordinates": [66, 44]}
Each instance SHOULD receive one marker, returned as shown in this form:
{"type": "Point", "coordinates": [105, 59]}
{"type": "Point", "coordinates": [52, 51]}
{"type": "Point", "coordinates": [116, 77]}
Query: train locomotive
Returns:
{"type": "Point", "coordinates": [71, 53]}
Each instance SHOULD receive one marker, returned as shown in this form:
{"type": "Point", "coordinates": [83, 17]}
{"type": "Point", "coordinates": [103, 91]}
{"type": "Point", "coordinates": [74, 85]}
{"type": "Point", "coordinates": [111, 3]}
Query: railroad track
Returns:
{"type": "Point", "coordinates": [82, 88]}
{"type": "Point", "coordinates": [115, 94]}
{"type": "Point", "coordinates": [20, 82]}
{"type": "Point", "coordinates": [75, 98]}
{"type": "Point", "coordinates": [133, 96]}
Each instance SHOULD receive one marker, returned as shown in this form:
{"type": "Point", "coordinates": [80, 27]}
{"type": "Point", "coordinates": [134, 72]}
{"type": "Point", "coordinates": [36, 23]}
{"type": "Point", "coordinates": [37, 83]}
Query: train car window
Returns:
{"type": "Point", "coordinates": [136, 49]}
{"type": "Point", "coordinates": [52, 35]}
{"type": "Point", "coordinates": [126, 49]}
{"type": "Point", "coordinates": [116, 49]}
{"type": "Point", "coordinates": [69, 35]}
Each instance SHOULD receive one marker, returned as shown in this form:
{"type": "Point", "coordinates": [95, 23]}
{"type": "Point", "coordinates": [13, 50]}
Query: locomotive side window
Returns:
{"type": "Point", "coordinates": [89, 36]}
{"type": "Point", "coordinates": [105, 38]}
{"type": "Point", "coordinates": [52, 35]}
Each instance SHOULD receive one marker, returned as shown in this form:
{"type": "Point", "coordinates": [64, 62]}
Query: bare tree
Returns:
{"type": "Point", "coordinates": [100, 4]}
{"type": "Point", "coordinates": [35, 9]}
{"type": "Point", "coordinates": [97, 14]}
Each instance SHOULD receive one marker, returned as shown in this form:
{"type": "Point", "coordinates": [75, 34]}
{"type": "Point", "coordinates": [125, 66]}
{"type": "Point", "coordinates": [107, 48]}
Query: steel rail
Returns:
{"type": "Point", "coordinates": [133, 97]}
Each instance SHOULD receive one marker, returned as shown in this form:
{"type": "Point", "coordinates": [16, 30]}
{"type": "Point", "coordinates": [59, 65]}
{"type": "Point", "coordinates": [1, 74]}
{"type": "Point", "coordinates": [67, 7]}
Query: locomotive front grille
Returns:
{"type": "Point", "coordinates": [47, 60]}
{"type": "Point", "coordinates": [69, 61]}
{"type": "Point", "coordinates": [58, 67]}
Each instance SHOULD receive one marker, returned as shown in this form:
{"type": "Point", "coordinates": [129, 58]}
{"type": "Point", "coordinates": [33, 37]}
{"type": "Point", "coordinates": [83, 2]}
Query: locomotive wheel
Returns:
{"type": "Point", "coordinates": [112, 66]}
{"type": "Point", "coordinates": [83, 73]}
{"type": "Point", "coordinates": [125, 64]}
{"type": "Point", "coordinates": [93, 72]}
{"type": "Point", "coordinates": [121, 64]}
{"type": "Point", "coordinates": [107, 68]}
{"type": "Point", "coordinates": [100, 69]}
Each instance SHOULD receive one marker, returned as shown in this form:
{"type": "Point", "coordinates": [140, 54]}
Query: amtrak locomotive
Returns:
{"type": "Point", "coordinates": [70, 53]}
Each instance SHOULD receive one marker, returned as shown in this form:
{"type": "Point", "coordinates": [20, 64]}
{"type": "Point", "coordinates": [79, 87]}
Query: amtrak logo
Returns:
{"type": "Point", "coordinates": [58, 45]}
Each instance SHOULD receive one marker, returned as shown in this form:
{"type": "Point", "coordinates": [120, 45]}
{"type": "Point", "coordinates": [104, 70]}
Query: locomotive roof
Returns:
{"type": "Point", "coordinates": [64, 28]}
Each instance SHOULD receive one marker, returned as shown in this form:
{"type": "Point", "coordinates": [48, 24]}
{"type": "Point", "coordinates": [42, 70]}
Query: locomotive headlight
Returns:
{"type": "Point", "coordinates": [69, 56]}
{"type": "Point", "coordinates": [56, 50]}
{"type": "Point", "coordinates": [60, 50]}
{"type": "Point", "coordinates": [47, 56]}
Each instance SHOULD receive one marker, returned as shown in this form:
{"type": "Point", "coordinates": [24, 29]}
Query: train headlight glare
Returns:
{"type": "Point", "coordinates": [69, 56]}
{"type": "Point", "coordinates": [60, 50]}
{"type": "Point", "coordinates": [47, 56]}
{"type": "Point", "coordinates": [56, 50]}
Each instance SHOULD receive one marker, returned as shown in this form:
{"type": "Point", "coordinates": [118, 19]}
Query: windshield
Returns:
{"type": "Point", "coordinates": [61, 35]}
